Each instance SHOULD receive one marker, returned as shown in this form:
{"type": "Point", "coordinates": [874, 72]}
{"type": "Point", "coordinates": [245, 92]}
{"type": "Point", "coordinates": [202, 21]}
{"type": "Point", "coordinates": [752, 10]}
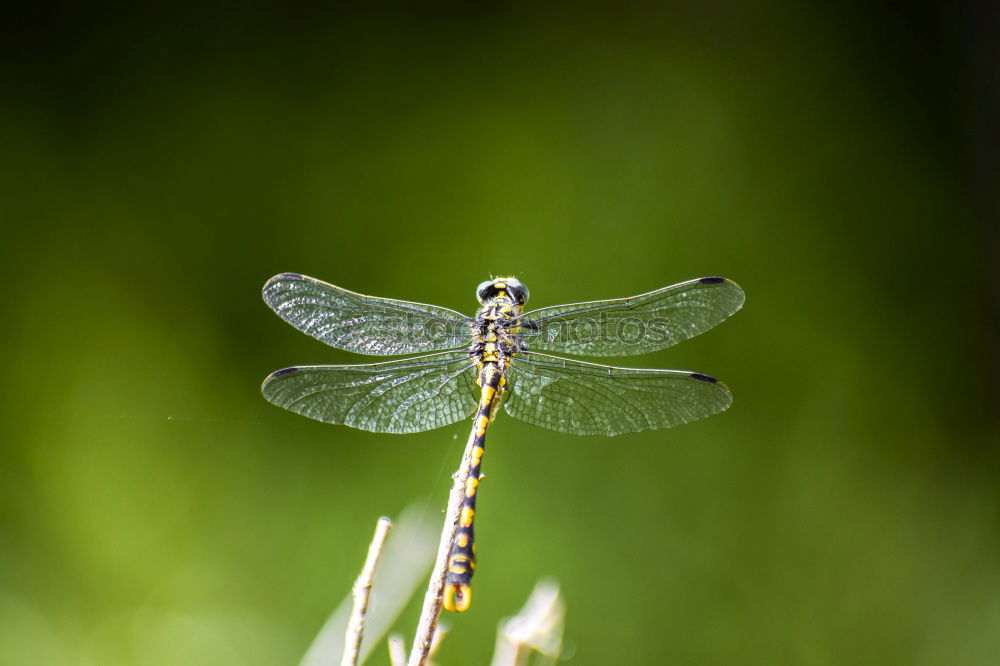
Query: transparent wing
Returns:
{"type": "Point", "coordinates": [635, 325]}
{"type": "Point", "coordinates": [408, 395]}
{"type": "Point", "coordinates": [364, 324]}
{"type": "Point", "coordinates": [589, 399]}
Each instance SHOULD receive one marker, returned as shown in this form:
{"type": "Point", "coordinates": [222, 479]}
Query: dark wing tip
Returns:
{"type": "Point", "coordinates": [266, 386]}
{"type": "Point", "coordinates": [693, 375]}
{"type": "Point", "coordinates": [733, 287]}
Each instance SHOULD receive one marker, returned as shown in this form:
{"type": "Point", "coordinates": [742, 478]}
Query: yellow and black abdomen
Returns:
{"type": "Point", "coordinates": [462, 560]}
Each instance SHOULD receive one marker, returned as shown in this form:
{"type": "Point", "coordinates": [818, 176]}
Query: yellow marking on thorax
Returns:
{"type": "Point", "coordinates": [491, 351]}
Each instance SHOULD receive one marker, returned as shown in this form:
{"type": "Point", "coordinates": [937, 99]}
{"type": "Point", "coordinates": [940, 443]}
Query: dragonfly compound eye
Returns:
{"type": "Point", "coordinates": [517, 291]}
{"type": "Point", "coordinates": [484, 291]}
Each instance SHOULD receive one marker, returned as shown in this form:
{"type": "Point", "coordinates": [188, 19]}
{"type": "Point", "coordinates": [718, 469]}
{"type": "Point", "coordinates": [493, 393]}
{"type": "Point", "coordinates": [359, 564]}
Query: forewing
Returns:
{"type": "Point", "coordinates": [589, 399]}
{"type": "Point", "coordinates": [408, 395]}
{"type": "Point", "coordinates": [364, 324]}
{"type": "Point", "coordinates": [635, 325]}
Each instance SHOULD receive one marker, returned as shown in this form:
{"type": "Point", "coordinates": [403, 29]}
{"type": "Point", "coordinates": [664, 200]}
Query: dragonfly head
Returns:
{"type": "Point", "coordinates": [509, 288]}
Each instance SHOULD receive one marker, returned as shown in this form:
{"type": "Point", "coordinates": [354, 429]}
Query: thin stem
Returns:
{"type": "Point", "coordinates": [362, 592]}
{"type": "Point", "coordinates": [439, 634]}
{"type": "Point", "coordinates": [432, 600]}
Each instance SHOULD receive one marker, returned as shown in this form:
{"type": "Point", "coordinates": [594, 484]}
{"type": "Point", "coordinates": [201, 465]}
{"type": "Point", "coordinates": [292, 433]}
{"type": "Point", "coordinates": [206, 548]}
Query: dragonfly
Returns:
{"type": "Point", "coordinates": [457, 367]}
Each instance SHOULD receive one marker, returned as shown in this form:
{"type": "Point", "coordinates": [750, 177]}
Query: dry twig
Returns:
{"type": "Point", "coordinates": [439, 633]}
{"type": "Point", "coordinates": [362, 592]}
{"type": "Point", "coordinates": [401, 570]}
{"type": "Point", "coordinates": [432, 600]}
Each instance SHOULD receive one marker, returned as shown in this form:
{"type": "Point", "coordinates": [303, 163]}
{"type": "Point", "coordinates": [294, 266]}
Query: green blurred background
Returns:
{"type": "Point", "coordinates": [160, 163]}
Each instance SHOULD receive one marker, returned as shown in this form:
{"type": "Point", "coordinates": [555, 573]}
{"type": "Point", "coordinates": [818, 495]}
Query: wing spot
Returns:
{"type": "Point", "coordinates": [711, 280]}
{"type": "Point", "coordinates": [704, 378]}
{"type": "Point", "coordinates": [283, 372]}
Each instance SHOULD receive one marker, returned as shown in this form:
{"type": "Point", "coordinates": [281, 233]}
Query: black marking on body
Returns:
{"type": "Point", "coordinates": [462, 559]}
{"type": "Point", "coordinates": [491, 320]}
{"type": "Point", "coordinates": [704, 378]}
{"type": "Point", "coordinates": [491, 347]}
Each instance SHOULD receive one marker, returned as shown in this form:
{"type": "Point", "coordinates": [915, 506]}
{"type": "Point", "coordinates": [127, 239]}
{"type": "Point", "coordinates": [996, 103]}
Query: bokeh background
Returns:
{"type": "Point", "coordinates": [159, 163]}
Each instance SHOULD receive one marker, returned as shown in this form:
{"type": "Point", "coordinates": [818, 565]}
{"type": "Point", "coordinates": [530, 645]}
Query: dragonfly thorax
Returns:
{"type": "Point", "coordinates": [494, 340]}
{"type": "Point", "coordinates": [495, 335]}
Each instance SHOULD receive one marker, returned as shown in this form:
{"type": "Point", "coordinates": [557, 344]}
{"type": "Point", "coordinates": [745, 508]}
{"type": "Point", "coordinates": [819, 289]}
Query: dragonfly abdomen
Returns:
{"type": "Point", "coordinates": [462, 560]}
